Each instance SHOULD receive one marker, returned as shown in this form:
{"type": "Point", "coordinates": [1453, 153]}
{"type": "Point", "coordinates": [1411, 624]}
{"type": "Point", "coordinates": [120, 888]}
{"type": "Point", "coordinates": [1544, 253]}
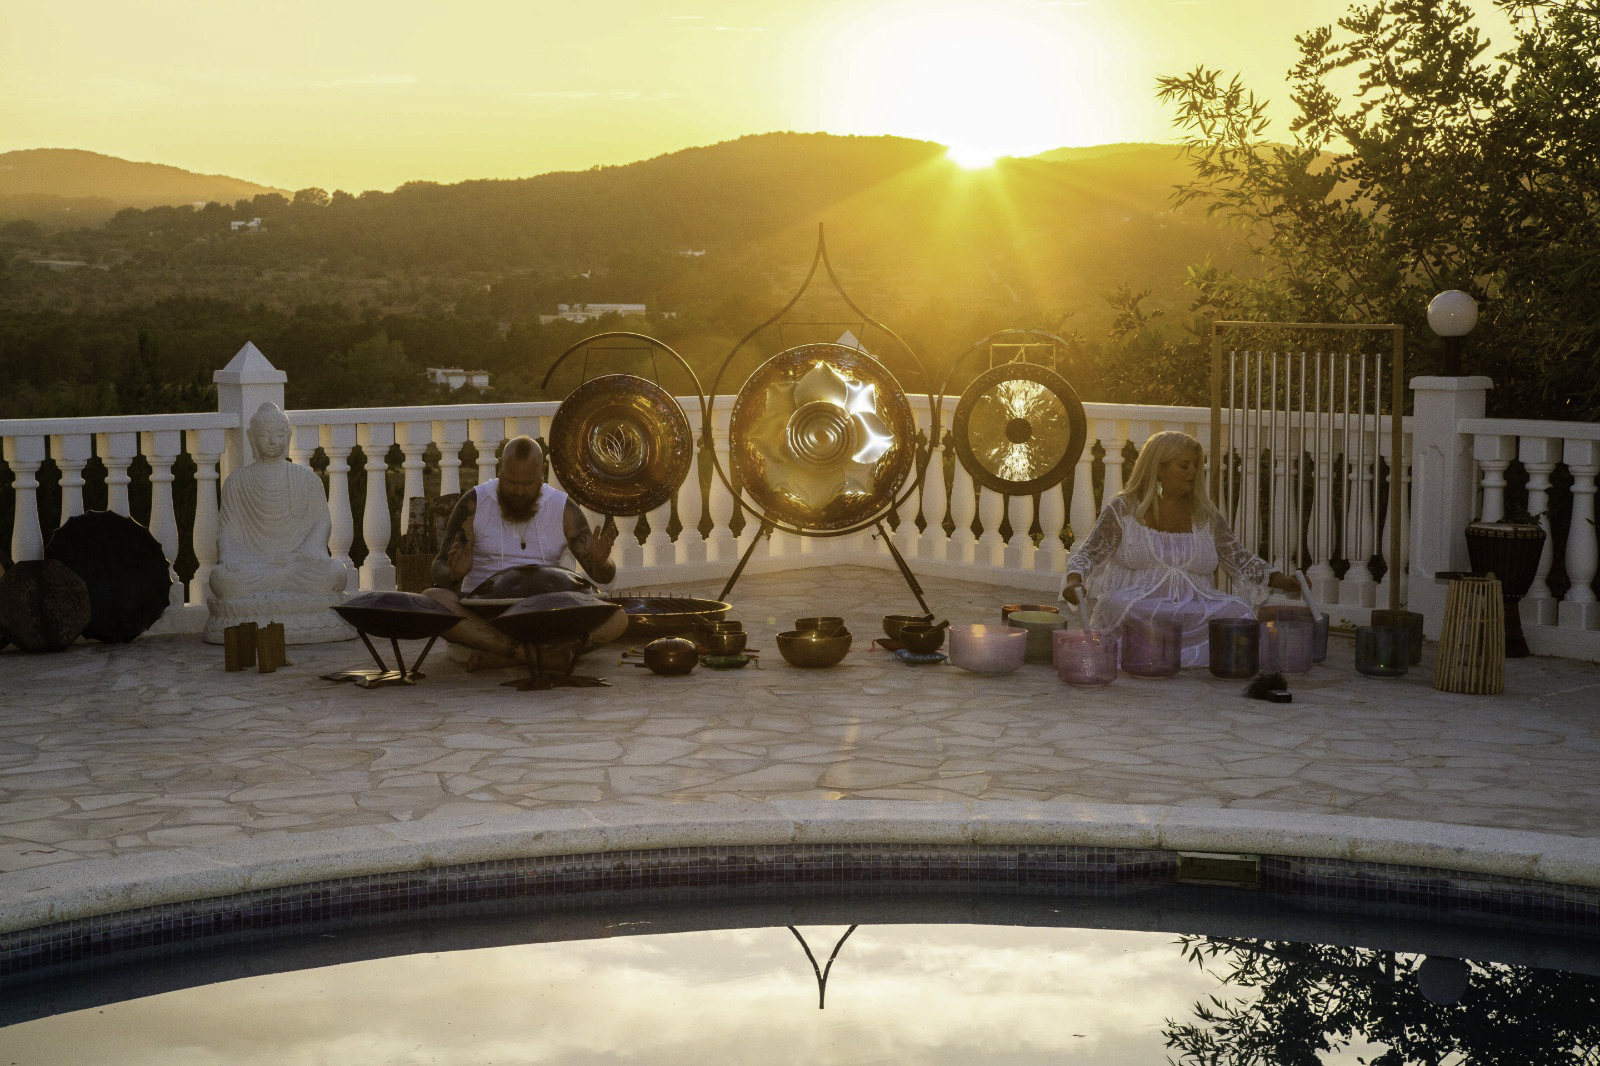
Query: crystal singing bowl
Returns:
{"type": "Point", "coordinates": [1152, 649]}
{"type": "Point", "coordinates": [1084, 656]}
{"type": "Point", "coordinates": [987, 649]}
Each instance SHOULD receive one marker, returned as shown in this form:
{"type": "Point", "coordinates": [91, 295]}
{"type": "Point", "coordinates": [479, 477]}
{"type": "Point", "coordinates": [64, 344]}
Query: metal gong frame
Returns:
{"type": "Point", "coordinates": [657, 493]}
{"type": "Point", "coordinates": [1019, 429]}
{"type": "Point", "coordinates": [768, 522]}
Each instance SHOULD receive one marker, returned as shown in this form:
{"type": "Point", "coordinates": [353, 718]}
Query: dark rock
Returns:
{"type": "Point", "coordinates": [44, 606]}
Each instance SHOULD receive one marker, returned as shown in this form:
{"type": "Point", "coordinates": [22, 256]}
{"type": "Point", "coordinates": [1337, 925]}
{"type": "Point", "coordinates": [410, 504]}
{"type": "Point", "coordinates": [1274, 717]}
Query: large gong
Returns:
{"type": "Point", "coordinates": [1019, 429]}
{"type": "Point", "coordinates": [620, 445]}
{"type": "Point", "coordinates": [822, 437]}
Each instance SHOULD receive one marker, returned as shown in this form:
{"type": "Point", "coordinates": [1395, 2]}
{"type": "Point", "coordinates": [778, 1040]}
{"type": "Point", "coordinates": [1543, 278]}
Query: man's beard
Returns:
{"type": "Point", "coordinates": [517, 510]}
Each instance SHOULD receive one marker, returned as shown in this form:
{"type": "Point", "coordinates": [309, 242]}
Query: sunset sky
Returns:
{"type": "Point", "coordinates": [363, 94]}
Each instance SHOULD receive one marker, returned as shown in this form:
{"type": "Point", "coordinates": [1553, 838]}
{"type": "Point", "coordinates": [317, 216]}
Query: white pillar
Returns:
{"type": "Point", "coordinates": [1444, 481]}
{"type": "Point", "coordinates": [1051, 557]}
{"type": "Point", "coordinates": [377, 571]}
{"type": "Point", "coordinates": [336, 444]}
{"type": "Point", "coordinates": [1579, 609]}
{"type": "Point", "coordinates": [161, 449]}
{"type": "Point", "coordinates": [451, 435]}
{"type": "Point", "coordinates": [413, 438]}
{"type": "Point", "coordinates": [721, 545]}
{"type": "Point", "coordinates": [71, 452]}
{"type": "Point", "coordinates": [117, 452]}
{"type": "Point", "coordinates": [205, 447]}
{"type": "Point", "coordinates": [25, 455]}
{"type": "Point", "coordinates": [1539, 457]}
{"type": "Point", "coordinates": [1494, 453]}
{"type": "Point", "coordinates": [247, 382]}
{"type": "Point", "coordinates": [963, 509]}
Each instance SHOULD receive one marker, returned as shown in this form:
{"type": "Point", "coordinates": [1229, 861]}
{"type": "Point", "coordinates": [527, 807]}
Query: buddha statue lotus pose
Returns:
{"type": "Point", "coordinates": [273, 562]}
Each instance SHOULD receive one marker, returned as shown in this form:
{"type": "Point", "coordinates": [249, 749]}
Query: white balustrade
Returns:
{"type": "Point", "coordinates": [72, 452]}
{"type": "Point", "coordinates": [25, 455]}
{"type": "Point", "coordinates": [161, 449]}
{"type": "Point", "coordinates": [1539, 457]}
{"type": "Point", "coordinates": [117, 451]}
{"type": "Point", "coordinates": [1579, 610]}
{"type": "Point", "coordinates": [377, 570]}
{"type": "Point", "coordinates": [206, 447]}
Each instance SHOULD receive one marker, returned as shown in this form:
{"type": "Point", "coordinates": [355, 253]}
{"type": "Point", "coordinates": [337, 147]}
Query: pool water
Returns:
{"type": "Point", "coordinates": [667, 986]}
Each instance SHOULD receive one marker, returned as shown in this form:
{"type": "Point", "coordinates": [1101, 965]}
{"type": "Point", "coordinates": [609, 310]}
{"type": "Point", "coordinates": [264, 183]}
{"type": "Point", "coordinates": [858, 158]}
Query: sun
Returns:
{"type": "Point", "coordinates": [1007, 77]}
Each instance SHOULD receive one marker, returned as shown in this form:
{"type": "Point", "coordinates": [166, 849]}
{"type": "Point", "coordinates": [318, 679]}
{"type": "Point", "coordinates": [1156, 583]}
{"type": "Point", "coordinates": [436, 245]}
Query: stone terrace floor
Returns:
{"type": "Point", "coordinates": [111, 750]}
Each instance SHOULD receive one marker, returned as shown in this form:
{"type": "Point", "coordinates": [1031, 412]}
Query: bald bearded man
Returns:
{"type": "Point", "coordinates": [513, 520]}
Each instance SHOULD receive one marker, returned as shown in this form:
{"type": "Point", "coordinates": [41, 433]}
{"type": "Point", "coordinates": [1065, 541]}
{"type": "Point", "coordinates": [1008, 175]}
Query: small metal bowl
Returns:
{"type": "Point", "coordinates": [920, 638]}
{"type": "Point", "coordinates": [810, 648]}
{"type": "Point", "coordinates": [723, 626]}
{"type": "Point", "coordinates": [725, 643]}
{"type": "Point", "coordinates": [828, 623]}
{"type": "Point", "coordinates": [892, 623]}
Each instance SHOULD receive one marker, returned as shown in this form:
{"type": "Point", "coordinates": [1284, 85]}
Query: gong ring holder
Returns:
{"type": "Point", "coordinates": [903, 350]}
{"type": "Point", "coordinates": [1013, 371]}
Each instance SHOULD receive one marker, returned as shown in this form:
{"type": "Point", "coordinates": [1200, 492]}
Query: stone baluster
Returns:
{"type": "Point", "coordinates": [933, 543]}
{"type": "Point", "coordinates": [117, 452]}
{"type": "Point", "coordinates": [377, 570]}
{"type": "Point", "coordinates": [161, 449]}
{"type": "Point", "coordinates": [721, 545]}
{"type": "Point", "coordinates": [206, 447]}
{"type": "Point", "coordinates": [1020, 553]}
{"type": "Point", "coordinates": [1493, 453]}
{"type": "Point", "coordinates": [991, 549]}
{"type": "Point", "coordinates": [691, 546]}
{"type": "Point", "coordinates": [72, 452]}
{"type": "Point", "coordinates": [1539, 457]}
{"type": "Point", "coordinates": [413, 438]}
{"type": "Point", "coordinates": [1360, 588]}
{"type": "Point", "coordinates": [1051, 557]}
{"type": "Point", "coordinates": [337, 440]}
{"type": "Point", "coordinates": [657, 551]}
{"type": "Point", "coordinates": [1579, 609]}
{"type": "Point", "coordinates": [25, 455]}
{"type": "Point", "coordinates": [451, 435]}
{"type": "Point", "coordinates": [1403, 566]}
{"type": "Point", "coordinates": [1115, 439]}
{"type": "Point", "coordinates": [963, 509]}
{"type": "Point", "coordinates": [1082, 512]}
{"type": "Point", "coordinates": [486, 435]}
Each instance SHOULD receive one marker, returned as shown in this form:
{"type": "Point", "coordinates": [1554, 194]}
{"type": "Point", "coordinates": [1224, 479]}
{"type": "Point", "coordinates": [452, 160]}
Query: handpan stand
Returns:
{"type": "Point", "coordinates": [554, 618]}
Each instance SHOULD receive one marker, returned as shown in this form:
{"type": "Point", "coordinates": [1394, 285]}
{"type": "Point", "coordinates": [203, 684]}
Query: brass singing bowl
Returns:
{"type": "Point", "coordinates": [813, 649]}
{"type": "Point", "coordinates": [620, 445]}
{"type": "Point", "coordinates": [893, 623]}
{"type": "Point", "coordinates": [728, 643]}
{"type": "Point", "coordinates": [1019, 429]}
{"type": "Point", "coordinates": [822, 437]}
{"type": "Point", "coordinates": [921, 639]}
{"type": "Point", "coordinates": [826, 623]}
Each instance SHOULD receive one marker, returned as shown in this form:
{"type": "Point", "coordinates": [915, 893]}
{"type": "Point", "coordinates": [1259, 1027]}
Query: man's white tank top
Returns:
{"type": "Point", "coordinates": [498, 542]}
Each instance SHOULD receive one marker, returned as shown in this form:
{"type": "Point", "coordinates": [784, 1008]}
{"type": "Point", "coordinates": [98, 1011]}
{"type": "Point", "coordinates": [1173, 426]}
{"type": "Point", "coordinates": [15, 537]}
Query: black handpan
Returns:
{"type": "Point", "coordinates": [554, 618]}
{"type": "Point", "coordinates": [393, 616]}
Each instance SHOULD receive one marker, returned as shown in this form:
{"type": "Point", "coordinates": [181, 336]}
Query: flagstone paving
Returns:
{"type": "Point", "coordinates": [108, 751]}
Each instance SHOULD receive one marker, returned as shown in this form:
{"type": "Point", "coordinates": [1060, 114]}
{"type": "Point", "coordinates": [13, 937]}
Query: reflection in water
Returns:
{"type": "Point", "coordinates": [1302, 1002]}
{"type": "Point", "coordinates": [941, 994]}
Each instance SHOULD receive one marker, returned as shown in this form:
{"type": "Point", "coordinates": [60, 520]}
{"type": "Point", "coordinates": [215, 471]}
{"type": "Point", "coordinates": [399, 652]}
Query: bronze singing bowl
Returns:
{"type": "Point", "coordinates": [661, 616]}
{"type": "Point", "coordinates": [620, 445]}
{"type": "Point", "coordinates": [813, 649]}
{"type": "Point", "coordinates": [921, 639]}
{"type": "Point", "coordinates": [826, 623]}
{"type": "Point", "coordinates": [1019, 429]}
{"type": "Point", "coordinates": [729, 643]}
{"type": "Point", "coordinates": [821, 437]}
{"type": "Point", "coordinates": [893, 623]}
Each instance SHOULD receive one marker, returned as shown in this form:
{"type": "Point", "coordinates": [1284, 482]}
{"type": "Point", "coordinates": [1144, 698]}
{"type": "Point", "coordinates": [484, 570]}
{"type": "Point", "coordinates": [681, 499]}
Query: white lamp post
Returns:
{"type": "Point", "coordinates": [1451, 315]}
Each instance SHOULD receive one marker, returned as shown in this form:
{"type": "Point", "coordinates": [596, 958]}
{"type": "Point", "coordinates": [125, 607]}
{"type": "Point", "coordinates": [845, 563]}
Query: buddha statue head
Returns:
{"type": "Point", "coordinates": [269, 432]}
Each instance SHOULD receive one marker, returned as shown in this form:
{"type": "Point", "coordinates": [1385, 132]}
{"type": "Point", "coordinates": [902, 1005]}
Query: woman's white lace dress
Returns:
{"type": "Point", "coordinates": [1134, 571]}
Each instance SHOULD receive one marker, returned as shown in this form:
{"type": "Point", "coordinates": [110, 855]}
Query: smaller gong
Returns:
{"type": "Point", "coordinates": [620, 445]}
{"type": "Point", "coordinates": [1019, 429]}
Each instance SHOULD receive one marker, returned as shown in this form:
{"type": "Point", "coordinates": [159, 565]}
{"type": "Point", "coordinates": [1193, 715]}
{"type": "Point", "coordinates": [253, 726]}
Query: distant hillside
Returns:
{"type": "Point", "coordinates": [59, 187]}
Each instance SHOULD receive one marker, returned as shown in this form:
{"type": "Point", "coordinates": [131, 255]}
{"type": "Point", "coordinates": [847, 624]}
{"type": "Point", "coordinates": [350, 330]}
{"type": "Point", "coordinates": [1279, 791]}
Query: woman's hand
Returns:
{"type": "Point", "coordinates": [1282, 582]}
{"type": "Point", "coordinates": [1070, 590]}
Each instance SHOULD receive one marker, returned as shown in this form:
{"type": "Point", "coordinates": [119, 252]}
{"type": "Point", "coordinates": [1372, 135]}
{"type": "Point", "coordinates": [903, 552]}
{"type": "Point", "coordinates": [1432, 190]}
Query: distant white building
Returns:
{"type": "Point", "coordinates": [590, 312]}
{"type": "Point", "coordinates": [240, 224]}
{"type": "Point", "coordinates": [452, 378]}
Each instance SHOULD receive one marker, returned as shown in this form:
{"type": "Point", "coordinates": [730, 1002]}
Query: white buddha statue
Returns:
{"type": "Point", "coordinates": [273, 563]}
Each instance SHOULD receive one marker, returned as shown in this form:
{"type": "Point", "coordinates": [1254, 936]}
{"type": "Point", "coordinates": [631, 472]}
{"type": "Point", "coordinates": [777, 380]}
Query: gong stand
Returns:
{"type": "Point", "coordinates": [383, 676]}
{"type": "Point", "coordinates": [540, 679]}
{"type": "Point", "coordinates": [825, 407]}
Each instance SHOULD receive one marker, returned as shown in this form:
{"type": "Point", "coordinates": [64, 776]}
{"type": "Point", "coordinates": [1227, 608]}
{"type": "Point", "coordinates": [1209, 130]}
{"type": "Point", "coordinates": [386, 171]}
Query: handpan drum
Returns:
{"type": "Point", "coordinates": [1019, 429]}
{"type": "Point", "coordinates": [621, 445]}
{"type": "Point", "coordinates": [822, 437]}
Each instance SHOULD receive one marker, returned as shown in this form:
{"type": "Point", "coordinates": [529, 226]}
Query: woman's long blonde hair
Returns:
{"type": "Point", "coordinates": [1144, 487]}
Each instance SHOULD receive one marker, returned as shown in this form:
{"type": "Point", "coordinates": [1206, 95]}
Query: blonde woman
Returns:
{"type": "Point", "coordinates": [1156, 545]}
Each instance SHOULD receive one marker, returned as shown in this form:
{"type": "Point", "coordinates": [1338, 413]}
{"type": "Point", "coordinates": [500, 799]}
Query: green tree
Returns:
{"type": "Point", "coordinates": [1442, 168]}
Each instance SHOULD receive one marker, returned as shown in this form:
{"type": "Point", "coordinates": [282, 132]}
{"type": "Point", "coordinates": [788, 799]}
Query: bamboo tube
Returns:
{"type": "Point", "coordinates": [1472, 657]}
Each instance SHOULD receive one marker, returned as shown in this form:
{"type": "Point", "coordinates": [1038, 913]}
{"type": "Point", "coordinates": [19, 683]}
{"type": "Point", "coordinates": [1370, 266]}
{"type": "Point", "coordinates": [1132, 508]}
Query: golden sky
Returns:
{"type": "Point", "coordinates": [368, 94]}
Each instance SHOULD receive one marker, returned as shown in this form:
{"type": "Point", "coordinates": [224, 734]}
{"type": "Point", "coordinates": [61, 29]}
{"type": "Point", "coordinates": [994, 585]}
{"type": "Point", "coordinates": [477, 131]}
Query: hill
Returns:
{"type": "Point", "coordinates": [58, 187]}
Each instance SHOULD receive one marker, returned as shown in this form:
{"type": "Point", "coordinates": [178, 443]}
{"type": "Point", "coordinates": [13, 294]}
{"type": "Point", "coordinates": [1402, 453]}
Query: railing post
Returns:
{"type": "Point", "coordinates": [1494, 454]}
{"type": "Point", "coordinates": [413, 438]}
{"type": "Point", "coordinates": [963, 509]}
{"type": "Point", "coordinates": [205, 447]}
{"type": "Point", "coordinates": [450, 434]}
{"type": "Point", "coordinates": [934, 544]}
{"type": "Point", "coordinates": [1443, 480]}
{"type": "Point", "coordinates": [1539, 457]}
{"type": "Point", "coordinates": [25, 455]}
{"type": "Point", "coordinates": [1579, 609]}
{"type": "Point", "coordinates": [721, 545]}
{"type": "Point", "coordinates": [377, 570]}
{"type": "Point", "coordinates": [71, 452]}
{"type": "Point", "coordinates": [117, 452]}
{"type": "Point", "coordinates": [247, 382]}
{"type": "Point", "coordinates": [161, 449]}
